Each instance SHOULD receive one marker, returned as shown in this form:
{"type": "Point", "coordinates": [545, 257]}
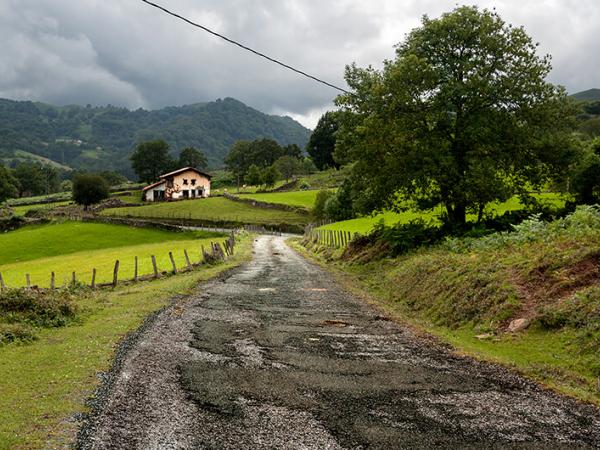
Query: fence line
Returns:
{"type": "Point", "coordinates": [219, 251]}
{"type": "Point", "coordinates": [330, 238]}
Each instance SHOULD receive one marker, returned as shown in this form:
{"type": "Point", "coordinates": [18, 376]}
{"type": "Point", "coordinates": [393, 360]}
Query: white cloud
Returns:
{"type": "Point", "coordinates": [127, 53]}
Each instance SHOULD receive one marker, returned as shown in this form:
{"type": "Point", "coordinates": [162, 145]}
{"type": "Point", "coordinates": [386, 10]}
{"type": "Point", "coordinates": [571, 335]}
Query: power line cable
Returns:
{"type": "Point", "coordinates": [231, 41]}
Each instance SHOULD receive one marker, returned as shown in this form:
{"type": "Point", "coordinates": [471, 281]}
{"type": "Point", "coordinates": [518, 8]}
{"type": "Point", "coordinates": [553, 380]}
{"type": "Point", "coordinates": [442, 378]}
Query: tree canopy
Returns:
{"type": "Point", "coordinates": [151, 159]}
{"type": "Point", "coordinates": [463, 116]}
{"type": "Point", "coordinates": [321, 144]}
{"type": "Point", "coordinates": [9, 185]}
{"type": "Point", "coordinates": [89, 189]}
{"type": "Point", "coordinates": [190, 157]}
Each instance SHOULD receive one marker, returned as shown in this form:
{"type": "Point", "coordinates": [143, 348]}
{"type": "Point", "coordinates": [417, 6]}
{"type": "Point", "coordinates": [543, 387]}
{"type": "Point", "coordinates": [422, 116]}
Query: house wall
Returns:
{"type": "Point", "coordinates": [149, 194]}
{"type": "Point", "coordinates": [202, 182]}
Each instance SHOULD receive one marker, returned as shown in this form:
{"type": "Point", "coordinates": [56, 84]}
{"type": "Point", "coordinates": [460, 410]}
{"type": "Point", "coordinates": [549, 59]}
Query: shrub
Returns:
{"type": "Point", "coordinates": [304, 186]}
{"type": "Point", "coordinates": [36, 308]}
{"type": "Point", "coordinates": [15, 332]}
{"type": "Point", "coordinates": [404, 237]}
{"type": "Point", "coordinates": [320, 200]}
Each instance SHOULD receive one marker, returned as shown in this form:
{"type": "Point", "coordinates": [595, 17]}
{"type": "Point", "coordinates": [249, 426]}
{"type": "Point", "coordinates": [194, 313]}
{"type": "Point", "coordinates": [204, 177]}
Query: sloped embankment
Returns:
{"type": "Point", "coordinates": [529, 298]}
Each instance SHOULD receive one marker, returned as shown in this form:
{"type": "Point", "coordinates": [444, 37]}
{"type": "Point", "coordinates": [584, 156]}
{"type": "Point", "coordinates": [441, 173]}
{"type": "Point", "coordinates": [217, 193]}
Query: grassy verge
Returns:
{"type": "Point", "coordinates": [45, 383]}
{"type": "Point", "coordinates": [214, 209]}
{"type": "Point", "coordinates": [468, 295]}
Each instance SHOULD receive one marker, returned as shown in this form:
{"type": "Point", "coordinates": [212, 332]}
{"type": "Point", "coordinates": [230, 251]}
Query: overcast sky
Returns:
{"type": "Point", "coordinates": [126, 53]}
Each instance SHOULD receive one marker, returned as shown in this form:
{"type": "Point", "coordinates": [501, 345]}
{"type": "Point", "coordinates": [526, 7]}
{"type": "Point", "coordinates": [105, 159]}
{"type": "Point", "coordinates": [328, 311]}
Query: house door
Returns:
{"type": "Point", "coordinates": [186, 194]}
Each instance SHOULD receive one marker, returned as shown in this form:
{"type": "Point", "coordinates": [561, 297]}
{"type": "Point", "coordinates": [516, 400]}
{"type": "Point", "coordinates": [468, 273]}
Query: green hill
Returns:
{"type": "Point", "coordinates": [591, 95]}
{"type": "Point", "coordinates": [101, 138]}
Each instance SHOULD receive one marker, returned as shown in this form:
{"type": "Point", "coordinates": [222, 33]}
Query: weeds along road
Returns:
{"type": "Point", "coordinates": [277, 356]}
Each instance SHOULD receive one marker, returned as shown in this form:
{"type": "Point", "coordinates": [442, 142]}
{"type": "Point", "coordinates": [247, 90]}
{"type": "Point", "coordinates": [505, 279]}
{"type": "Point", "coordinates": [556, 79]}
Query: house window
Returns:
{"type": "Point", "coordinates": [185, 181]}
{"type": "Point", "coordinates": [193, 182]}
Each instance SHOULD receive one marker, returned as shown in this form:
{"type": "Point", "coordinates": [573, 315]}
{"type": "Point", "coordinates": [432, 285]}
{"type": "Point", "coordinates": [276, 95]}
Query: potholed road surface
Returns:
{"type": "Point", "coordinates": [276, 355]}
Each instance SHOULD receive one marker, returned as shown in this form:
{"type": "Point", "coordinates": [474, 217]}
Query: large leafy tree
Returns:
{"type": "Point", "coordinates": [190, 157]}
{"type": "Point", "coordinates": [463, 116]}
{"type": "Point", "coordinates": [151, 159]}
{"type": "Point", "coordinates": [321, 144]}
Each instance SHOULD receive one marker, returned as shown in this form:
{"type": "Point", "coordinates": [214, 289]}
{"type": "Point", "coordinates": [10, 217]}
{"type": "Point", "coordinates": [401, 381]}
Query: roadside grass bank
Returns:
{"type": "Point", "coordinates": [528, 299]}
{"type": "Point", "coordinates": [364, 225]}
{"type": "Point", "coordinates": [45, 384]}
{"type": "Point", "coordinates": [213, 209]}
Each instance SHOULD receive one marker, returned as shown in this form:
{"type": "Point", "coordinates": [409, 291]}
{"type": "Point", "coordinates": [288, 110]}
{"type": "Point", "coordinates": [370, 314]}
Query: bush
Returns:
{"type": "Point", "coordinates": [47, 309]}
{"type": "Point", "coordinates": [15, 332]}
{"type": "Point", "coordinates": [408, 236]}
{"type": "Point", "coordinates": [304, 186]}
{"type": "Point", "coordinates": [320, 200]}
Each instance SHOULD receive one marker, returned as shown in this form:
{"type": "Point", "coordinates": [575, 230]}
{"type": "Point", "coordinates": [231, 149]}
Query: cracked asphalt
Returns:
{"type": "Point", "coordinates": [276, 355]}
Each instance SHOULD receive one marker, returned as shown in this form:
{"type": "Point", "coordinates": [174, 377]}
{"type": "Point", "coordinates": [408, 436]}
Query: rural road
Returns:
{"type": "Point", "coordinates": [277, 356]}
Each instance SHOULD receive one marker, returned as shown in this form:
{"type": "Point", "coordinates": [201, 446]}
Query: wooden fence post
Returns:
{"type": "Point", "coordinates": [154, 266]}
{"type": "Point", "coordinates": [74, 278]}
{"type": "Point", "coordinates": [173, 262]}
{"type": "Point", "coordinates": [116, 273]}
{"type": "Point", "coordinates": [2, 285]}
{"type": "Point", "coordinates": [135, 269]}
{"type": "Point", "coordinates": [52, 280]}
{"type": "Point", "coordinates": [28, 280]}
{"type": "Point", "coordinates": [93, 285]}
{"type": "Point", "coordinates": [187, 259]}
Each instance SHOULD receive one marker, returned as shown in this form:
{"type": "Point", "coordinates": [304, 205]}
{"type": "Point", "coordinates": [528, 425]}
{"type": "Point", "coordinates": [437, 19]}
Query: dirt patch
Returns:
{"type": "Point", "coordinates": [546, 285]}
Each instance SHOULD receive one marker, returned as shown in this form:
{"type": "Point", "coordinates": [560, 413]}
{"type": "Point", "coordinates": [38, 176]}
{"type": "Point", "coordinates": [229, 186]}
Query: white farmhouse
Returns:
{"type": "Point", "coordinates": [179, 185]}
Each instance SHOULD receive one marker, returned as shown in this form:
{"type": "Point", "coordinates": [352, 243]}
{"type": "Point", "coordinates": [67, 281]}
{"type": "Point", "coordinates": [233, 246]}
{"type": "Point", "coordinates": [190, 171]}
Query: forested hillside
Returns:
{"type": "Point", "coordinates": [101, 138]}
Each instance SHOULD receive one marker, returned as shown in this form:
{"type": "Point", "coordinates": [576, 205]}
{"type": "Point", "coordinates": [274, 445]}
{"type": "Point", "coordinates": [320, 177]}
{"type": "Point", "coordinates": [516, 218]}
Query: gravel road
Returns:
{"type": "Point", "coordinates": [275, 355]}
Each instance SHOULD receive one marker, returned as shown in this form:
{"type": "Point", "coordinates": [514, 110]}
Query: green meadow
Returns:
{"type": "Point", "coordinates": [302, 199]}
{"type": "Point", "coordinates": [213, 209]}
{"type": "Point", "coordinates": [67, 247]}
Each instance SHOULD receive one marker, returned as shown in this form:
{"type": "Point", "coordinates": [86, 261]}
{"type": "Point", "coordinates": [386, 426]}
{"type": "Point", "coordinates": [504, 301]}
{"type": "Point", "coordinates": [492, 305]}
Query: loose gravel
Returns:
{"type": "Point", "coordinates": [276, 355]}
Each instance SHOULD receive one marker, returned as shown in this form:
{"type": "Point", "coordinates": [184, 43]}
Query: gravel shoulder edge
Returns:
{"type": "Point", "coordinates": [99, 399]}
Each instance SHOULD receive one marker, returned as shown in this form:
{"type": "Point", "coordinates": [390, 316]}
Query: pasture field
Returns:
{"type": "Point", "coordinates": [213, 209]}
{"type": "Point", "coordinates": [365, 224]}
{"type": "Point", "coordinates": [22, 210]}
{"type": "Point", "coordinates": [72, 246]}
{"type": "Point", "coordinates": [302, 199]}
{"type": "Point", "coordinates": [44, 384]}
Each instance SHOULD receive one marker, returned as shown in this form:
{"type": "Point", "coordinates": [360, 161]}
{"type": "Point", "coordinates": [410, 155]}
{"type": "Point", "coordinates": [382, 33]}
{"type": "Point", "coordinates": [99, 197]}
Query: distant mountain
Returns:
{"type": "Point", "coordinates": [99, 138]}
{"type": "Point", "coordinates": [591, 95]}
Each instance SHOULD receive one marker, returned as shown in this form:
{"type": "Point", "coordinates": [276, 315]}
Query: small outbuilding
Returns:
{"type": "Point", "coordinates": [179, 185]}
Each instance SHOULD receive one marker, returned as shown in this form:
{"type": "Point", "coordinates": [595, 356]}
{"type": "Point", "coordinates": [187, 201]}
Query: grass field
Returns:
{"type": "Point", "coordinates": [72, 246]}
{"type": "Point", "coordinates": [364, 225]}
{"type": "Point", "coordinates": [215, 209]}
{"type": "Point", "coordinates": [303, 199]}
{"type": "Point", "coordinates": [46, 383]}
{"type": "Point", "coordinates": [22, 210]}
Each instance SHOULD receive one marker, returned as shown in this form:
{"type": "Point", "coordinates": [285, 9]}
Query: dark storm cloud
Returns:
{"type": "Point", "coordinates": [126, 53]}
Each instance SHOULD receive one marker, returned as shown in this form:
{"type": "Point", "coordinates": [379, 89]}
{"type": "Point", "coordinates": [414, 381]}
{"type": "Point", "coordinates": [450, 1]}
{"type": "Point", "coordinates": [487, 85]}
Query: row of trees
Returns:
{"type": "Point", "coordinates": [264, 161]}
{"type": "Point", "coordinates": [28, 179]}
{"type": "Point", "coordinates": [152, 158]}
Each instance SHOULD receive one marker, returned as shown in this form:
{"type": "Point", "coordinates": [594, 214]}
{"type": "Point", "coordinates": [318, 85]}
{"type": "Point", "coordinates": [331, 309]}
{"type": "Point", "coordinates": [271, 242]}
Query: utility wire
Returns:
{"type": "Point", "coordinates": [231, 41]}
